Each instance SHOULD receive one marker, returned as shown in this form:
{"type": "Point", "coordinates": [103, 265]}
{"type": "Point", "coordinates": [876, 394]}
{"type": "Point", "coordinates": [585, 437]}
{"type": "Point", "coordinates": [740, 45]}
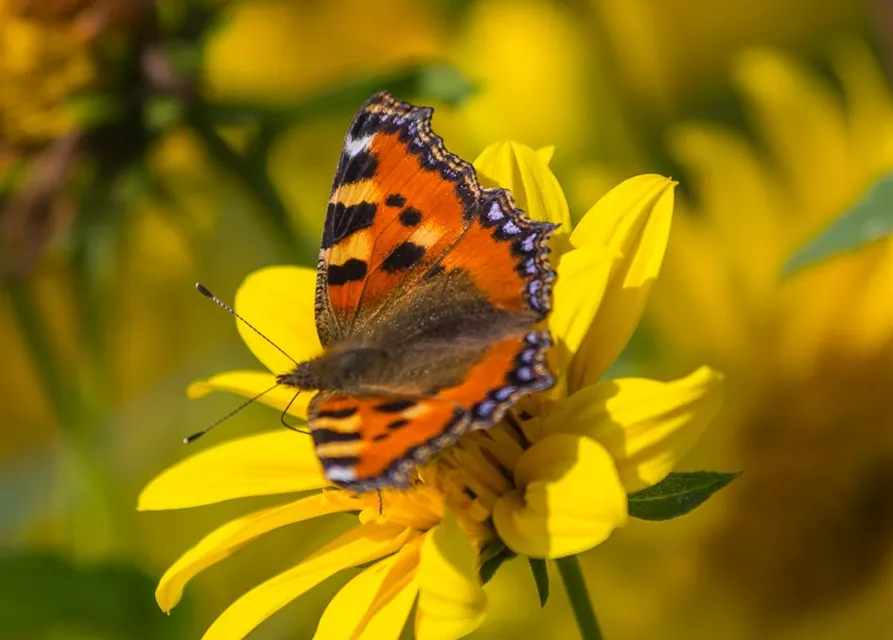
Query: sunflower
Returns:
{"type": "Point", "coordinates": [549, 481]}
{"type": "Point", "coordinates": [808, 354]}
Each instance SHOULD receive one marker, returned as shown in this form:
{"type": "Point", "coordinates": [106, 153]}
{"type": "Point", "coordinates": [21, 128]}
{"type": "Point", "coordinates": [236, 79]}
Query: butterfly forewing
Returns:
{"type": "Point", "coordinates": [397, 206]}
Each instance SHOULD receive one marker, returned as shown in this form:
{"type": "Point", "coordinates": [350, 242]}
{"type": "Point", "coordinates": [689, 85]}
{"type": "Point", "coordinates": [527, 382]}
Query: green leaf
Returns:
{"type": "Point", "coordinates": [162, 112]}
{"type": "Point", "coordinates": [541, 578]}
{"type": "Point", "coordinates": [12, 175]}
{"type": "Point", "coordinates": [431, 81]}
{"type": "Point", "coordinates": [870, 219]}
{"type": "Point", "coordinates": [492, 557]}
{"type": "Point", "coordinates": [94, 109]}
{"type": "Point", "coordinates": [44, 594]}
{"type": "Point", "coordinates": [677, 494]}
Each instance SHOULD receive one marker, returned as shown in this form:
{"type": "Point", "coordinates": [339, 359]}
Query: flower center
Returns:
{"type": "Point", "coordinates": [466, 478]}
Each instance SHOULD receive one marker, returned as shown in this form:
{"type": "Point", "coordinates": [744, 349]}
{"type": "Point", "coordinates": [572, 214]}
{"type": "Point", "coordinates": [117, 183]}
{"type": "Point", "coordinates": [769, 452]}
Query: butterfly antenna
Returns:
{"type": "Point", "coordinates": [202, 289]}
{"type": "Point", "coordinates": [196, 436]}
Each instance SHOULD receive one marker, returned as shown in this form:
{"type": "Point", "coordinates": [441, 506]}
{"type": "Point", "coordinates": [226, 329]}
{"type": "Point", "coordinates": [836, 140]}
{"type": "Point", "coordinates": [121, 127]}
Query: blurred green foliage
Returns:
{"type": "Point", "coordinates": [869, 220]}
{"type": "Point", "coordinates": [42, 595]}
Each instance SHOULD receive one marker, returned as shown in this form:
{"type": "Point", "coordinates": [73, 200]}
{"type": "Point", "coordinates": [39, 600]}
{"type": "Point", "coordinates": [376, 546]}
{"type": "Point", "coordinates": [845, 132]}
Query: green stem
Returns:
{"type": "Point", "coordinates": [93, 521]}
{"type": "Point", "coordinates": [253, 177]}
{"type": "Point", "coordinates": [36, 337]}
{"type": "Point", "coordinates": [575, 585]}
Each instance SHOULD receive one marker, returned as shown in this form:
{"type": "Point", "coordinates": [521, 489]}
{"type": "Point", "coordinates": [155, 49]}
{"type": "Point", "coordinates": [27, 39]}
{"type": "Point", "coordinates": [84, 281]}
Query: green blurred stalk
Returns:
{"type": "Point", "coordinates": [575, 586]}
{"type": "Point", "coordinates": [36, 336]}
{"type": "Point", "coordinates": [254, 179]}
{"type": "Point", "coordinates": [93, 520]}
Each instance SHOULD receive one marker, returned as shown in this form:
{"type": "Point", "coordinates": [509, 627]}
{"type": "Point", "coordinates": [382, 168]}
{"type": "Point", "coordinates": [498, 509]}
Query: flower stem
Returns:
{"type": "Point", "coordinates": [254, 178]}
{"type": "Point", "coordinates": [36, 338]}
{"type": "Point", "coordinates": [575, 585]}
{"type": "Point", "coordinates": [90, 485]}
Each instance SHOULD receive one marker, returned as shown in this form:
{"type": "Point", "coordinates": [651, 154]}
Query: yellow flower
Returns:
{"type": "Point", "coordinates": [549, 481]}
{"type": "Point", "coordinates": [809, 354]}
{"type": "Point", "coordinates": [669, 53]}
{"type": "Point", "coordinates": [344, 40]}
{"type": "Point", "coordinates": [45, 58]}
{"type": "Point", "coordinates": [41, 63]}
{"type": "Point", "coordinates": [536, 55]}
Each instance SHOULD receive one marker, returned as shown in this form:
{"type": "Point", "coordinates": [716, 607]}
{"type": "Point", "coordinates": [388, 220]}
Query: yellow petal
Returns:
{"type": "Point", "coordinates": [634, 220]}
{"type": "Point", "coordinates": [805, 130]}
{"type": "Point", "coordinates": [582, 278]}
{"type": "Point", "coordinates": [522, 171]}
{"type": "Point", "coordinates": [452, 602]}
{"type": "Point", "coordinates": [359, 545]}
{"type": "Point", "coordinates": [279, 302]}
{"type": "Point", "coordinates": [740, 182]}
{"type": "Point", "coordinates": [647, 426]}
{"type": "Point", "coordinates": [377, 602]}
{"type": "Point", "coordinates": [868, 101]}
{"type": "Point", "coordinates": [695, 284]}
{"type": "Point", "coordinates": [270, 463]}
{"type": "Point", "coordinates": [545, 153]}
{"type": "Point", "coordinates": [251, 383]}
{"type": "Point", "coordinates": [230, 537]}
{"type": "Point", "coordinates": [570, 498]}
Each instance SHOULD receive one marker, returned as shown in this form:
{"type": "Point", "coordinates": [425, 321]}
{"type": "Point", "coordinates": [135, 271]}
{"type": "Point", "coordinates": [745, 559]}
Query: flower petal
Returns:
{"type": "Point", "coordinates": [545, 153]}
{"type": "Point", "coordinates": [234, 534]}
{"type": "Point", "coordinates": [251, 383]}
{"type": "Point", "coordinates": [633, 219]}
{"type": "Point", "coordinates": [582, 279]}
{"type": "Point", "coordinates": [279, 301]}
{"type": "Point", "coordinates": [269, 463]}
{"type": "Point", "coordinates": [646, 425]}
{"type": "Point", "coordinates": [570, 499]}
{"type": "Point", "coordinates": [805, 130]}
{"type": "Point", "coordinates": [526, 174]}
{"type": "Point", "coordinates": [377, 602]}
{"type": "Point", "coordinates": [452, 602]}
{"type": "Point", "coordinates": [359, 545]}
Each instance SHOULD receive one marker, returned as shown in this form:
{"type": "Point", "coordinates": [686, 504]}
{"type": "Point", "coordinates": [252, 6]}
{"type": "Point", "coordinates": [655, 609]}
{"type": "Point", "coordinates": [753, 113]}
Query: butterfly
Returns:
{"type": "Point", "coordinates": [429, 291]}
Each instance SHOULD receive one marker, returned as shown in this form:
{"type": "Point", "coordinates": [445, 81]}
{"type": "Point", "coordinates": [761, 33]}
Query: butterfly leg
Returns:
{"type": "Point", "coordinates": [285, 411]}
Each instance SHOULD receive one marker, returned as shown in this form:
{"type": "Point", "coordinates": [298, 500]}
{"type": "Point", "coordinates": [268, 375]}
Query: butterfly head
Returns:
{"type": "Point", "coordinates": [342, 367]}
{"type": "Point", "coordinates": [304, 376]}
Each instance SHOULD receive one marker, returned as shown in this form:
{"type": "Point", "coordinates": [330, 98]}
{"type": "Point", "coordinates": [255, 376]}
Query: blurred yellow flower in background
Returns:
{"type": "Point", "coordinates": [43, 60]}
{"type": "Point", "coordinates": [671, 54]}
{"type": "Point", "coordinates": [549, 482]}
{"type": "Point", "coordinates": [808, 355]}
{"type": "Point", "coordinates": [536, 56]}
{"type": "Point", "coordinates": [298, 48]}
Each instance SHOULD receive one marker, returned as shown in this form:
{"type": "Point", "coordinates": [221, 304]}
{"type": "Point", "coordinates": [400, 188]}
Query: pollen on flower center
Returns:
{"type": "Point", "coordinates": [467, 478]}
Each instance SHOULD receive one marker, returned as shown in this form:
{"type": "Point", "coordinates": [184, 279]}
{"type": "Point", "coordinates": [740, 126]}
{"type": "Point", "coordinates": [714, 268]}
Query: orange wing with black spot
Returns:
{"type": "Point", "coordinates": [372, 442]}
{"type": "Point", "coordinates": [399, 203]}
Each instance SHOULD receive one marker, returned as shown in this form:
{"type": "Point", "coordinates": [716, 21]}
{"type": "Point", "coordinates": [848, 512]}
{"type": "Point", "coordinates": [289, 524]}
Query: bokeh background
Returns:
{"type": "Point", "coordinates": [146, 144]}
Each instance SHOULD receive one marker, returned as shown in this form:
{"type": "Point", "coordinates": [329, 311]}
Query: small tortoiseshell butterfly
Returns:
{"type": "Point", "coordinates": [428, 291]}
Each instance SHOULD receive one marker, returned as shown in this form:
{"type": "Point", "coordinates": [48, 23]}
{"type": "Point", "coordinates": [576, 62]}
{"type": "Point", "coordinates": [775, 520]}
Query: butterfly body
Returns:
{"type": "Point", "coordinates": [428, 292]}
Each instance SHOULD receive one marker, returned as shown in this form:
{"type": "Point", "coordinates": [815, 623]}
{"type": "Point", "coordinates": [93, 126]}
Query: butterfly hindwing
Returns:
{"type": "Point", "coordinates": [373, 441]}
{"type": "Point", "coordinates": [509, 369]}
